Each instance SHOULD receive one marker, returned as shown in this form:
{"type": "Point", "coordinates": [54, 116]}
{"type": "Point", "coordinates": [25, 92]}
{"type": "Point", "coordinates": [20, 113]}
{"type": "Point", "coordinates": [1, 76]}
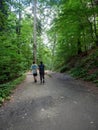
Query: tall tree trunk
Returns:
{"type": "Point", "coordinates": [89, 22]}
{"type": "Point", "coordinates": [95, 28]}
{"type": "Point", "coordinates": [34, 33]}
{"type": "Point", "coordinates": [18, 26]}
{"type": "Point", "coordinates": [3, 15]}
{"type": "Point", "coordinates": [84, 37]}
{"type": "Point", "coordinates": [18, 22]}
{"type": "Point", "coordinates": [53, 50]}
{"type": "Point", "coordinates": [79, 46]}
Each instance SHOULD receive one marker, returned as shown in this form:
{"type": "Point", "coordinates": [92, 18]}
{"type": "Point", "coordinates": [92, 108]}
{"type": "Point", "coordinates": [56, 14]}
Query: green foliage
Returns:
{"type": "Point", "coordinates": [16, 43]}
{"type": "Point", "coordinates": [64, 68]}
{"type": "Point", "coordinates": [44, 54]}
{"type": "Point", "coordinates": [4, 8]}
{"type": "Point", "coordinates": [6, 89]}
{"type": "Point", "coordinates": [74, 29]}
{"type": "Point", "coordinates": [87, 67]}
{"type": "Point", "coordinates": [79, 72]}
{"type": "Point", "coordinates": [92, 77]}
{"type": "Point", "coordinates": [15, 51]}
{"type": "Point", "coordinates": [11, 65]}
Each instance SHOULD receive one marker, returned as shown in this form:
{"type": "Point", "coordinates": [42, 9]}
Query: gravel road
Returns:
{"type": "Point", "coordinates": [62, 103]}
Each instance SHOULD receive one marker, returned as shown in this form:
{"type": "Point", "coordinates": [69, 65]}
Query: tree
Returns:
{"type": "Point", "coordinates": [3, 14]}
{"type": "Point", "coordinates": [76, 28]}
{"type": "Point", "coordinates": [34, 44]}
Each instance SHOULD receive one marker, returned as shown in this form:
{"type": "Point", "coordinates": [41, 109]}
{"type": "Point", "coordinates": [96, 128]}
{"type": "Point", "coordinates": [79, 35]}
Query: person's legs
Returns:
{"type": "Point", "coordinates": [43, 78]}
{"type": "Point", "coordinates": [40, 77]}
{"type": "Point", "coordinates": [35, 77]}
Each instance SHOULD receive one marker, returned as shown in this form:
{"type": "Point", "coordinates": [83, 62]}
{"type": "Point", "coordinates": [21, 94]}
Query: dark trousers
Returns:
{"type": "Point", "coordinates": [42, 78]}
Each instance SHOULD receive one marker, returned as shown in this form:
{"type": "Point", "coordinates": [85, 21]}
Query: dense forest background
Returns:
{"type": "Point", "coordinates": [67, 37]}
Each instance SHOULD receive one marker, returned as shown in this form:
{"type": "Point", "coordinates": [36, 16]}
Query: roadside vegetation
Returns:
{"type": "Point", "coordinates": [85, 67]}
{"type": "Point", "coordinates": [7, 89]}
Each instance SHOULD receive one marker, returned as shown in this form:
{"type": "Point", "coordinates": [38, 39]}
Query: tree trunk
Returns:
{"type": "Point", "coordinates": [18, 22]}
{"type": "Point", "coordinates": [89, 22]}
{"type": "Point", "coordinates": [79, 46]}
{"type": "Point", "coordinates": [53, 50]}
{"type": "Point", "coordinates": [3, 15]}
{"type": "Point", "coordinates": [34, 32]}
{"type": "Point", "coordinates": [95, 28]}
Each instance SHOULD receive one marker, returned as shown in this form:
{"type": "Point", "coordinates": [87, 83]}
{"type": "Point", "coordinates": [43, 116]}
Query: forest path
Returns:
{"type": "Point", "coordinates": [62, 103]}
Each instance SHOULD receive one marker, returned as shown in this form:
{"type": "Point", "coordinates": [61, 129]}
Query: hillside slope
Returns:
{"type": "Point", "coordinates": [85, 66]}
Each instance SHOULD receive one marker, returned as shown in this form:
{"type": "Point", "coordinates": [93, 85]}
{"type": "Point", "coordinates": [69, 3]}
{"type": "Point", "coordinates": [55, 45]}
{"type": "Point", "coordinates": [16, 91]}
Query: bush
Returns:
{"type": "Point", "coordinates": [64, 68]}
{"type": "Point", "coordinates": [78, 72]}
{"type": "Point", "coordinates": [6, 89]}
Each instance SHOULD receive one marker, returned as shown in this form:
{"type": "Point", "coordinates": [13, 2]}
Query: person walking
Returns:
{"type": "Point", "coordinates": [42, 72]}
{"type": "Point", "coordinates": [34, 68]}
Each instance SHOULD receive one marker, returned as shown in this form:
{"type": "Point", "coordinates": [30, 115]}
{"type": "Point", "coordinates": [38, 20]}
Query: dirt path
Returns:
{"type": "Point", "coordinates": [62, 103]}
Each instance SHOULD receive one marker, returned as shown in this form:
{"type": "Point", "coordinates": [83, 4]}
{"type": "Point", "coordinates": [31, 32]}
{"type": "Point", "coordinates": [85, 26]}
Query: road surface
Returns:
{"type": "Point", "coordinates": [62, 103]}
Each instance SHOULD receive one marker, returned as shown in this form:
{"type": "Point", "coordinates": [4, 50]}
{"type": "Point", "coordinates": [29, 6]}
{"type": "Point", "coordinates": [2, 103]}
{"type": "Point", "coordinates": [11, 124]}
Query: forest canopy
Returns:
{"type": "Point", "coordinates": [64, 28]}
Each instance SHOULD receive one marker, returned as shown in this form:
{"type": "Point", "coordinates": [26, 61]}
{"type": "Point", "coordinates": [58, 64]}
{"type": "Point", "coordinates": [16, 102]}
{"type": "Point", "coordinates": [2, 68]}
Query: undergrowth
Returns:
{"type": "Point", "coordinates": [86, 67]}
{"type": "Point", "coordinates": [6, 89]}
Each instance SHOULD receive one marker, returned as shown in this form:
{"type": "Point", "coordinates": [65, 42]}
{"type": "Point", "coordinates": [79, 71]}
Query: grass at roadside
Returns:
{"type": "Point", "coordinates": [6, 89]}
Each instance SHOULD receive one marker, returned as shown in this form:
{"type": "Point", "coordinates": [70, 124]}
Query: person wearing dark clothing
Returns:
{"type": "Point", "coordinates": [42, 72]}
